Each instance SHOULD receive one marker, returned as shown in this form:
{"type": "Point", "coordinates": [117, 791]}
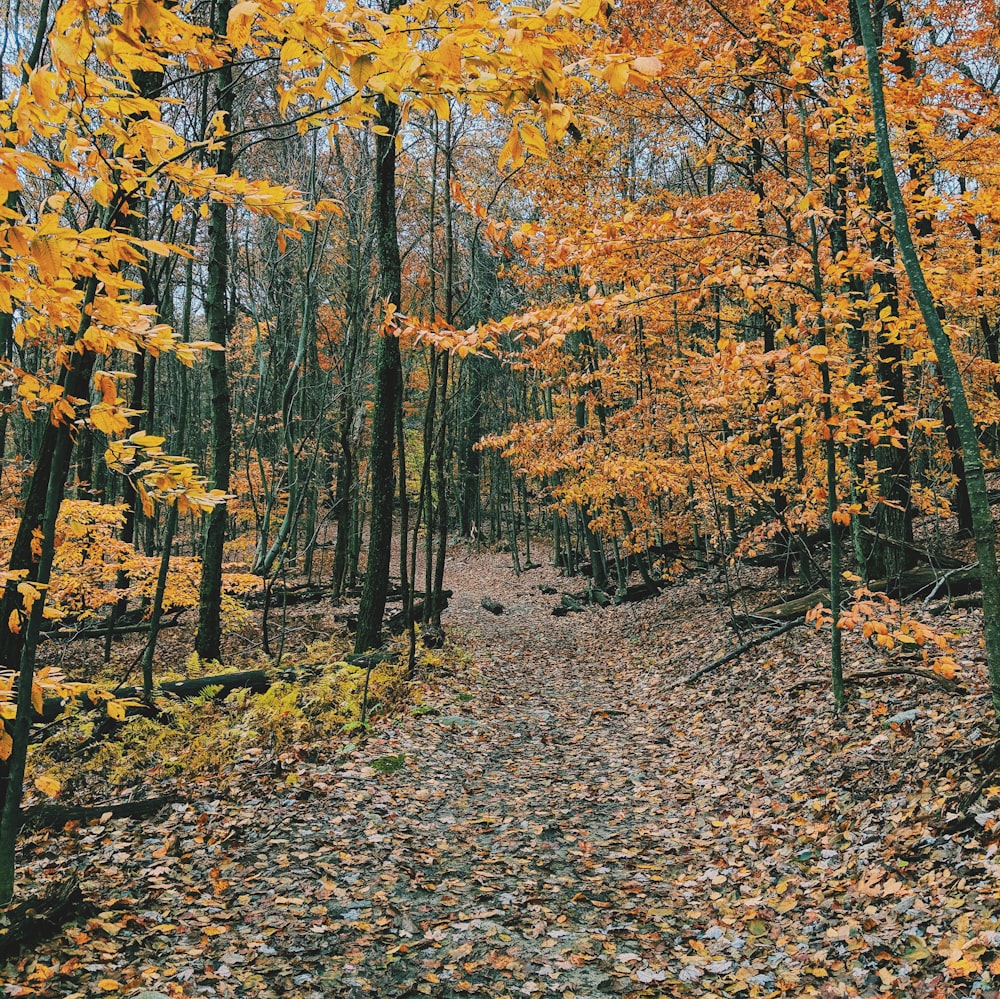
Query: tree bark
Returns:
{"type": "Point", "coordinates": [208, 643]}
{"type": "Point", "coordinates": [388, 386]}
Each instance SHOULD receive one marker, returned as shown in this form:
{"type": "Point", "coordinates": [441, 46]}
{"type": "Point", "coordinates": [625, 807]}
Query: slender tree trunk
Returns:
{"type": "Point", "coordinates": [830, 455]}
{"type": "Point", "coordinates": [388, 386]}
{"type": "Point", "coordinates": [208, 642]}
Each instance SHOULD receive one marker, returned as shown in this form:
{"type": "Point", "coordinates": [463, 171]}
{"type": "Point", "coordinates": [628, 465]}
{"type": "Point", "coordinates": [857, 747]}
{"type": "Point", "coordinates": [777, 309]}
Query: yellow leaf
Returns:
{"type": "Point", "coordinates": [146, 440]}
{"type": "Point", "coordinates": [917, 950]}
{"type": "Point", "coordinates": [101, 192]}
{"type": "Point", "coordinates": [149, 16]}
{"type": "Point", "coordinates": [147, 503]}
{"type": "Point", "coordinates": [14, 622]}
{"type": "Point", "coordinates": [49, 786]}
{"type": "Point", "coordinates": [107, 419]}
{"type": "Point", "coordinates": [116, 710]}
{"type": "Point", "coordinates": [512, 151]}
{"type": "Point", "coordinates": [362, 70]}
{"type": "Point", "coordinates": [37, 699]}
{"type": "Point", "coordinates": [533, 140]}
{"type": "Point", "coordinates": [29, 594]}
{"type": "Point", "coordinates": [158, 247]}
{"type": "Point", "coordinates": [6, 744]}
{"type": "Point", "coordinates": [108, 985]}
{"type": "Point", "coordinates": [450, 56]}
{"type": "Point", "coordinates": [238, 26]}
{"type": "Point", "coordinates": [818, 354]}
{"type": "Point", "coordinates": [46, 259]}
{"type": "Point", "coordinates": [617, 77]}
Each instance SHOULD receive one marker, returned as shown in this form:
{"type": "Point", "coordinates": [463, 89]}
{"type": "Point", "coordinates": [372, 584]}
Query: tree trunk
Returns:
{"type": "Point", "coordinates": [982, 521]}
{"type": "Point", "coordinates": [209, 638]}
{"type": "Point", "coordinates": [388, 386]}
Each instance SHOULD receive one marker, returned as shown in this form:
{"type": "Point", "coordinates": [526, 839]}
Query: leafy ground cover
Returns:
{"type": "Point", "coordinates": [555, 812]}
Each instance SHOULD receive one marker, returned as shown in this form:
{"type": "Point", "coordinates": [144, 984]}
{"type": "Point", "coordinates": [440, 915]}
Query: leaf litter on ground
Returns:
{"type": "Point", "coordinates": [561, 815]}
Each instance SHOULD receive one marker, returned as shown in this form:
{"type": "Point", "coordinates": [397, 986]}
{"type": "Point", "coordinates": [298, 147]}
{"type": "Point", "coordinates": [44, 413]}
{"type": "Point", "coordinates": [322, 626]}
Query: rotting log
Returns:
{"type": "Point", "coordinates": [288, 596]}
{"type": "Point", "coordinates": [369, 660]}
{"type": "Point", "coordinates": [31, 921]}
{"type": "Point", "coordinates": [396, 623]}
{"type": "Point", "coordinates": [52, 816]}
{"type": "Point", "coordinates": [255, 680]}
{"type": "Point", "coordinates": [639, 591]}
{"type": "Point", "coordinates": [101, 632]}
{"type": "Point", "coordinates": [954, 582]}
{"type": "Point", "coordinates": [572, 603]}
{"type": "Point", "coordinates": [790, 610]}
{"type": "Point", "coordinates": [959, 603]}
{"type": "Point", "coordinates": [576, 602]}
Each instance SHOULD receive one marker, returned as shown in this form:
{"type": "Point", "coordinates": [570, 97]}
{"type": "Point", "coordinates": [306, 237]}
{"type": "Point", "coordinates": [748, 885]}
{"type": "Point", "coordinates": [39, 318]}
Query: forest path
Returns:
{"type": "Point", "coordinates": [521, 847]}
{"type": "Point", "coordinates": [562, 816]}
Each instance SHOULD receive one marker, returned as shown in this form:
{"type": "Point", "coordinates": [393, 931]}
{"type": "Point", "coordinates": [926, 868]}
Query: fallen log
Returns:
{"type": "Point", "coordinates": [432, 637]}
{"type": "Point", "coordinates": [745, 647]}
{"type": "Point", "coordinates": [639, 591]}
{"type": "Point", "coordinates": [255, 680]}
{"type": "Point", "coordinates": [31, 921]}
{"type": "Point", "coordinates": [397, 623]}
{"type": "Point", "coordinates": [576, 602]}
{"type": "Point", "coordinates": [369, 660]}
{"type": "Point", "coordinates": [959, 603]}
{"type": "Point", "coordinates": [118, 631]}
{"type": "Point", "coordinates": [954, 582]}
{"type": "Point", "coordinates": [491, 605]}
{"type": "Point", "coordinates": [790, 610]}
{"type": "Point", "coordinates": [599, 597]}
{"type": "Point", "coordinates": [288, 596]}
{"type": "Point", "coordinates": [52, 816]}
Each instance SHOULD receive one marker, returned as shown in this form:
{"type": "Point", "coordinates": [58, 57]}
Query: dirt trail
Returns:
{"type": "Point", "coordinates": [507, 854]}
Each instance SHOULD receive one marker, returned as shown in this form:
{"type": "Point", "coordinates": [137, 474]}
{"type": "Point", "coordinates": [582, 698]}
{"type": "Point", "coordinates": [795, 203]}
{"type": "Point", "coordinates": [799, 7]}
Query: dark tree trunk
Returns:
{"type": "Point", "coordinates": [388, 386]}
{"type": "Point", "coordinates": [209, 638]}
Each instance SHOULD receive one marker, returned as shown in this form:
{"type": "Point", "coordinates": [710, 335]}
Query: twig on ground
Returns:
{"type": "Point", "coordinates": [745, 647]}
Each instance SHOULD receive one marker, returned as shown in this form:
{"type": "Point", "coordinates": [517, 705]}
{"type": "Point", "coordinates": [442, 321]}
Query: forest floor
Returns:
{"type": "Point", "coordinates": [561, 815]}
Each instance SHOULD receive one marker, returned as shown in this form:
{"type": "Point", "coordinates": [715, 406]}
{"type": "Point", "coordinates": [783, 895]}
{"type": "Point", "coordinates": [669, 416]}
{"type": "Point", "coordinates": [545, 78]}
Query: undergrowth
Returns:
{"type": "Point", "coordinates": [316, 703]}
